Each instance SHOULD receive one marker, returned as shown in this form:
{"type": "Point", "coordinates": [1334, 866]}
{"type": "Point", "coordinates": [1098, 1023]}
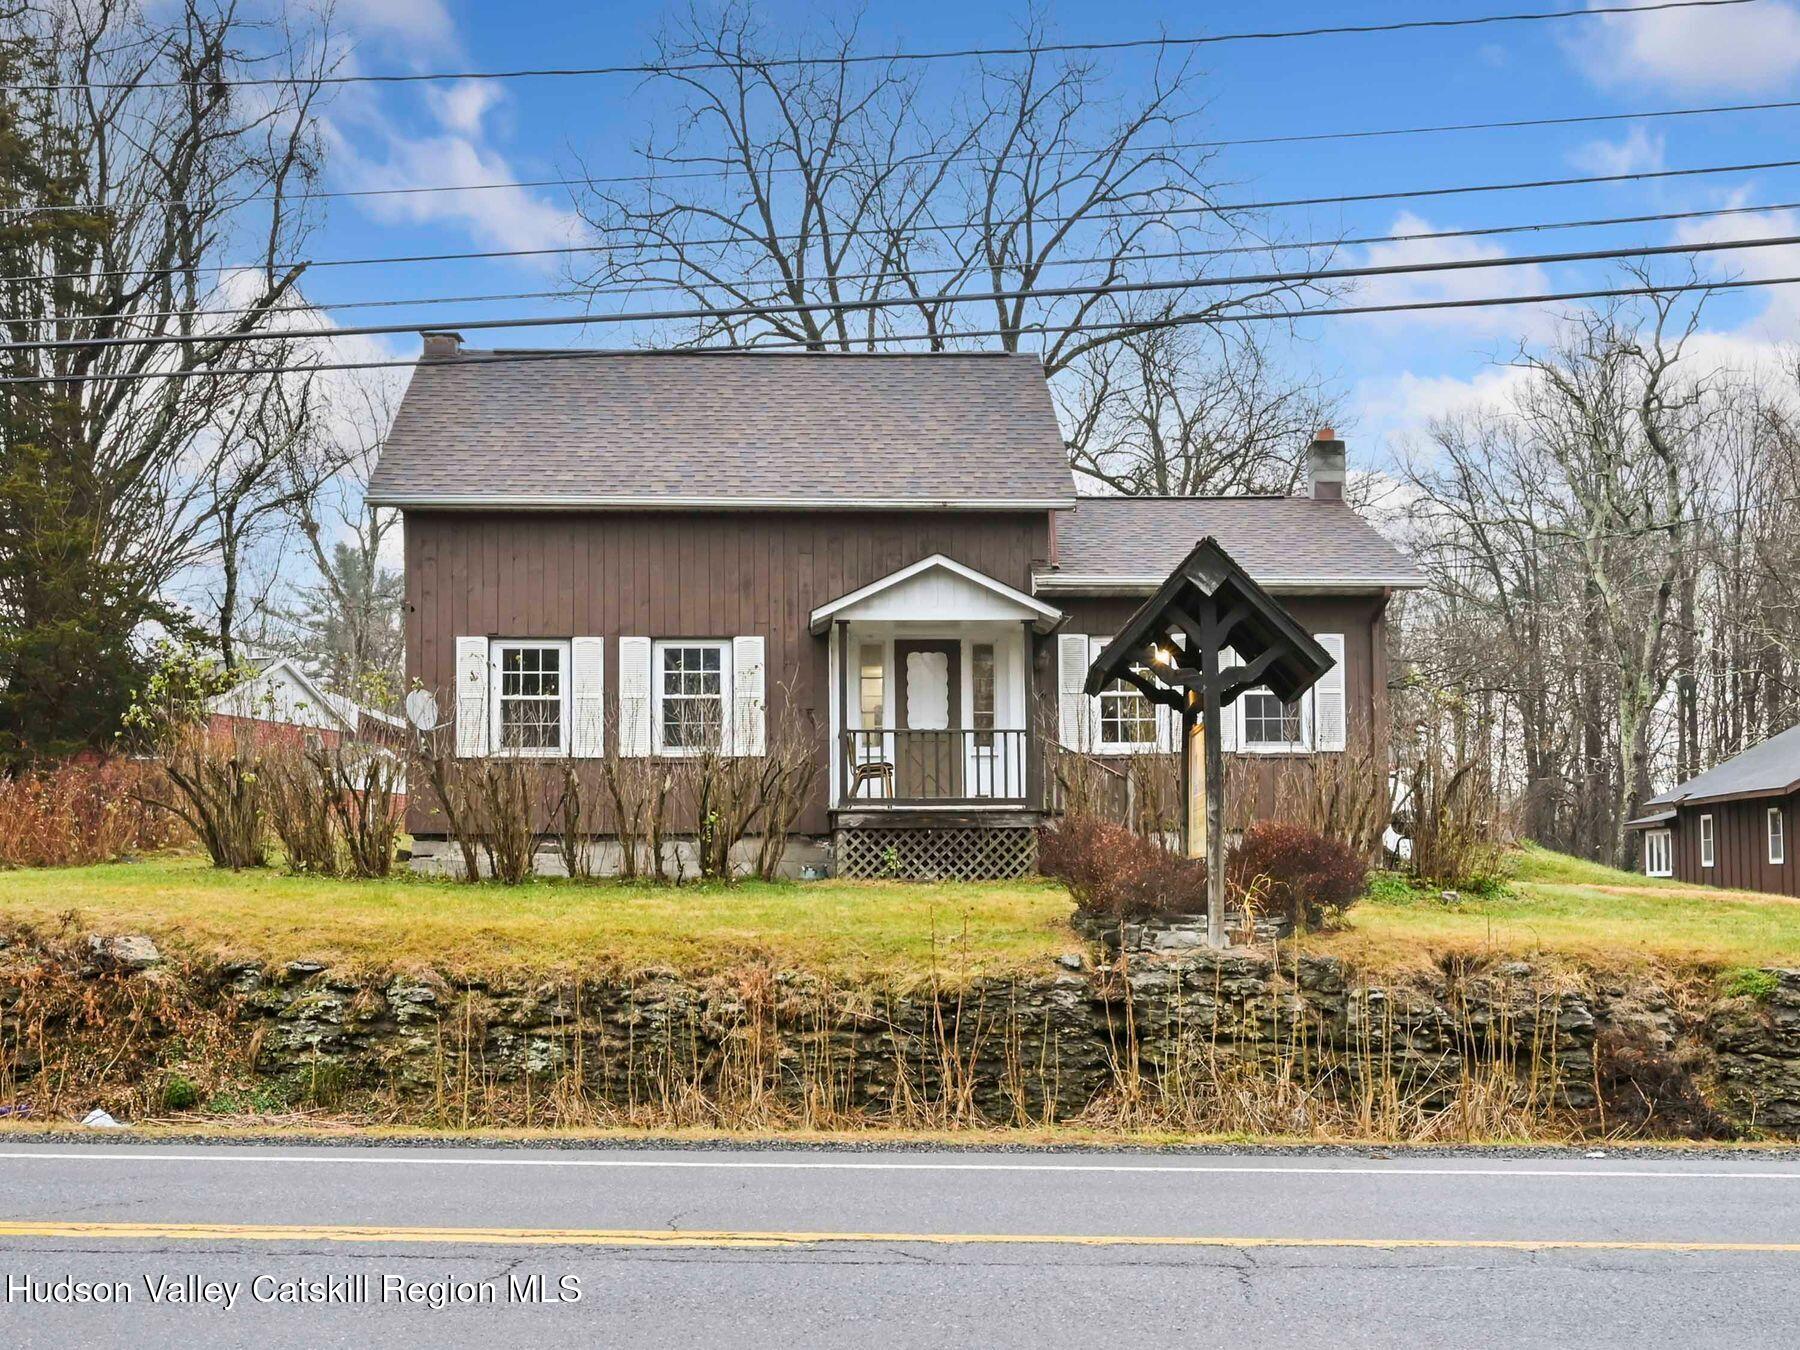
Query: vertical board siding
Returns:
{"type": "Point", "coordinates": [1360, 618]}
{"type": "Point", "coordinates": [687, 574]}
{"type": "Point", "coordinates": [1740, 845]}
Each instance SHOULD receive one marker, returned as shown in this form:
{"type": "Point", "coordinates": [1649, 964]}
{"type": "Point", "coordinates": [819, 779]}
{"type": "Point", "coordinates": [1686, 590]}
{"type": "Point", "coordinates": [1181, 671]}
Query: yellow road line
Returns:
{"type": "Point", "coordinates": [653, 1237]}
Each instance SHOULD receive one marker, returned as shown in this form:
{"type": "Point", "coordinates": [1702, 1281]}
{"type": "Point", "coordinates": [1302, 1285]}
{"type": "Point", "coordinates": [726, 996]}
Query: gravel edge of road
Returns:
{"type": "Point", "coordinates": [657, 1143]}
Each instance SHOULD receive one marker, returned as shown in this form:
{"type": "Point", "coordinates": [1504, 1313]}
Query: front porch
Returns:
{"type": "Point", "coordinates": [936, 768]}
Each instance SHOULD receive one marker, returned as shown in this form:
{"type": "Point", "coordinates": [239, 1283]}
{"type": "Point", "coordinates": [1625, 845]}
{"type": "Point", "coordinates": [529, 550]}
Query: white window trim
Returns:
{"type": "Point", "coordinates": [1709, 848]}
{"type": "Point", "coordinates": [1659, 847]}
{"type": "Point", "coordinates": [497, 648]}
{"type": "Point", "coordinates": [657, 648]}
{"type": "Point", "coordinates": [1102, 746]}
{"type": "Point", "coordinates": [1298, 746]}
{"type": "Point", "coordinates": [1775, 828]}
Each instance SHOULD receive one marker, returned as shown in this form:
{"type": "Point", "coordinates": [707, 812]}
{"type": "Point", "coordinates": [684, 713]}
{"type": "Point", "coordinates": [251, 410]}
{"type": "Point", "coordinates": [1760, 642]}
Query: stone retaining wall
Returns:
{"type": "Point", "coordinates": [1030, 1048]}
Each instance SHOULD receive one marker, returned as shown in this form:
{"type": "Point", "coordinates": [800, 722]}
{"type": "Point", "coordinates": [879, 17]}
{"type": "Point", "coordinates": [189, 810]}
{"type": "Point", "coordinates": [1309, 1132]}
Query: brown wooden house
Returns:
{"type": "Point", "coordinates": [637, 553]}
{"type": "Point", "coordinates": [1733, 825]}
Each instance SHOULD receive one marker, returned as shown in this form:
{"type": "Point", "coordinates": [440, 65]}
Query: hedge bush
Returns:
{"type": "Point", "coordinates": [1279, 868]}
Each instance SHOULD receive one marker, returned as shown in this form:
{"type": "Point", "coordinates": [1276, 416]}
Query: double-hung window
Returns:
{"type": "Point", "coordinates": [693, 690]}
{"type": "Point", "coordinates": [1270, 724]}
{"type": "Point", "coordinates": [1127, 718]}
{"type": "Point", "coordinates": [1708, 850]}
{"type": "Point", "coordinates": [530, 697]}
{"type": "Point", "coordinates": [1777, 837]}
{"type": "Point", "coordinates": [1659, 854]}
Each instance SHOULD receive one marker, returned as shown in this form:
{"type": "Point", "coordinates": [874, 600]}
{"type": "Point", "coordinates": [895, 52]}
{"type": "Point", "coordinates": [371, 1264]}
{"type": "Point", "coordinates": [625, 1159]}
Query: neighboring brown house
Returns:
{"type": "Point", "coordinates": [626, 553]}
{"type": "Point", "coordinates": [1733, 825]}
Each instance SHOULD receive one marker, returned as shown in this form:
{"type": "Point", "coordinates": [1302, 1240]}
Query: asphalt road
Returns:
{"type": "Point", "coordinates": [629, 1248]}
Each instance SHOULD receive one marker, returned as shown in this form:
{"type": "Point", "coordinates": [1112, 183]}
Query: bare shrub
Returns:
{"type": "Point", "coordinates": [300, 811]}
{"type": "Point", "coordinates": [506, 787]}
{"type": "Point", "coordinates": [452, 791]}
{"type": "Point", "coordinates": [1645, 1090]}
{"type": "Point", "coordinates": [1342, 795]}
{"type": "Point", "coordinates": [787, 777]}
{"type": "Point", "coordinates": [1458, 824]}
{"type": "Point", "coordinates": [571, 824]}
{"type": "Point", "coordinates": [1283, 868]}
{"type": "Point", "coordinates": [216, 777]}
{"type": "Point", "coordinates": [79, 813]}
{"type": "Point", "coordinates": [367, 801]}
{"type": "Point", "coordinates": [1117, 874]}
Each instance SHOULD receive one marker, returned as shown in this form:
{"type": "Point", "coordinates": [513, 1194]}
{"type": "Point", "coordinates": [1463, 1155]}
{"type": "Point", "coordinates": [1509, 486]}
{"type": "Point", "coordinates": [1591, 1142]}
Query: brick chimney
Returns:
{"type": "Point", "coordinates": [440, 346]}
{"type": "Point", "coordinates": [1325, 466]}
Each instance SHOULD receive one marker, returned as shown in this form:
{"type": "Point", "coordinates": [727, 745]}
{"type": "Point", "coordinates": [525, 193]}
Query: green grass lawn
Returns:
{"type": "Point", "coordinates": [1581, 910]}
{"type": "Point", "coordinates": [853, 927]}
{"type": "Point", "coordinates": [1555, 906]}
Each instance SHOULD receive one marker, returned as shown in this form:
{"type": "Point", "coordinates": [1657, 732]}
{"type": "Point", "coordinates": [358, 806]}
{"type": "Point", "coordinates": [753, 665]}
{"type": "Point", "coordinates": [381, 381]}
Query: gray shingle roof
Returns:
{"type": "Point", "coordinates": [1135, 542]}
{"type": "Point", "coordinates": [1768, 769]}
{"type": "Point", "coordinates": [661, 429]}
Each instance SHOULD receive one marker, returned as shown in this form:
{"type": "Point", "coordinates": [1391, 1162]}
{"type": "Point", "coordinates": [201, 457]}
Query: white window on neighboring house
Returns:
{"type": "Point", "coordinates": [1777, 837]}
{"type": "Point", "coordinates": [1127, 719]}
{"type": "Point", "coordinates": [1706, 841]}
{"type": "Point", "coordinates": [1270, 724]}
{"type": "Point", "coordinates": [692, 689]}
{"type": "Point", "coordinates": [530, 697]}
{"type": "Point", "coordinates": [1659, 854]}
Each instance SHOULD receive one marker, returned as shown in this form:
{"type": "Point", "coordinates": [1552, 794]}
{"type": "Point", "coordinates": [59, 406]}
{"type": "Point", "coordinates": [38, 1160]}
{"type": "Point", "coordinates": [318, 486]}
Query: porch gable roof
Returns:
{"type": "Point", "coordinates": [1020, 605]}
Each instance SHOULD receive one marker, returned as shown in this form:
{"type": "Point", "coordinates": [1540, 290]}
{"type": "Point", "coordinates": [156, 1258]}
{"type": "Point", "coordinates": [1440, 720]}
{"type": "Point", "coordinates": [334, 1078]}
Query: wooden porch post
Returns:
{"type": "Point", "coordinates": [1034, 760]}
{"type": "Point", "coordinates": [840, 733]}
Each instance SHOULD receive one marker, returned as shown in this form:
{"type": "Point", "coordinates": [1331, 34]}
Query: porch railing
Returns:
{"type": "Point", "coordinates": [955, 766]}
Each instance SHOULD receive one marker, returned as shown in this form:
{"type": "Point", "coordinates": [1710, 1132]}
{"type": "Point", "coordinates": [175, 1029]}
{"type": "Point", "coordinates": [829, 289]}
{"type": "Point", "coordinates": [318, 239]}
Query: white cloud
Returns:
{"type": "Point", "coordinates": [1637, 152]}
{"type": "Point", "coordinates": [1396, 409]}
{"type": "Point", "coordinates": [1466, 283]}
{"type": "Point", "coordinates": [462, 106]}
{"type": "Point", "coordinates": [412, 21]}
{"type": "Point", "coordinates": [1779, 319]}
{"type": "Point", "coordinates": [1738, 48]}
{"type": "Point", "coordinates": [498, 217]}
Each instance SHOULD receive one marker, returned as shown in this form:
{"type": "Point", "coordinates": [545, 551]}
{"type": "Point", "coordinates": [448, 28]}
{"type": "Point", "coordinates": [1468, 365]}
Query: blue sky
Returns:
{"type": "Point", "coordinates": [1392, 372]}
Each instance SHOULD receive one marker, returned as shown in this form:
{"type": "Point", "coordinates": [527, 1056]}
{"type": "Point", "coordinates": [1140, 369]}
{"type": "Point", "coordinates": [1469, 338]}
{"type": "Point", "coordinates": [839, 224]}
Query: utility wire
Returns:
{"type": "Point", "coordinates": [1217, 208]}
{"type": "Point", "coordinates": [763, 311]}
{"type": "Point", "coordinates": [895, 58]}
{"type": "Point", "coordinates": [674, 287]}
{"type": "Point", "coordinates": [1565, 536]}
{"type": "Point", "coordinates": [1207, 319]}
{"type": "Point", "coordinates": [729, 169]}
{"type": "Point", "coordinates": [1223, 251]}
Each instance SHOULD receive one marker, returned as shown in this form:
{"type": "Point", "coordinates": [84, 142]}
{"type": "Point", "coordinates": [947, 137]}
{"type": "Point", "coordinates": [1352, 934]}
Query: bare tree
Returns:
{"type": "Point", "coordinates": [853, 195]}
{"type": "Point", "coordinates": [147, 172]}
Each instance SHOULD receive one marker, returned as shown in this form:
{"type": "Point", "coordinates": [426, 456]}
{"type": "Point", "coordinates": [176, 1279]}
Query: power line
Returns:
{"type": "Point", "coordinates": [728, 169]}
{"type": "Point", "coordinates": [893, 58]}
{"type": "Point", "coordinates": [763, 311]}
{"type": "Point", "coordinates": [1134, 325]}
{"type": "Point", "coordinates": [1531, 227]}
{"type": "Point", "coordinates": [781, 305]}
{"type": "Point", "coordinates": [1212, 208]}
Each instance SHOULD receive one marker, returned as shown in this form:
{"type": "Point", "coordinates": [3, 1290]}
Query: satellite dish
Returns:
{"type": "Point", "coordinates": [422, 709]}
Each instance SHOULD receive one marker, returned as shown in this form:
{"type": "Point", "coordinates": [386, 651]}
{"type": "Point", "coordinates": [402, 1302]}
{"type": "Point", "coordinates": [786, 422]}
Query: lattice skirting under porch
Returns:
{"type": "Point", "coordinates": [928, 853]}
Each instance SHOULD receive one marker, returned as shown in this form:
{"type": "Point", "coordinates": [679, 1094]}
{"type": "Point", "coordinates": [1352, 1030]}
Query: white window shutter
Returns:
{"type": "Point", "coordinates": [587, 697]}
{"type": "Point", "coordinates": [1071, 699]}
{"type": "Point", "coordinates": [1330, 718]}
{"type": "Point", "coordinates": [1228, 716]}
{"type": "Point", "coordinates": [471, 697]}
{"type": "Point", "coordinates": [634, 696]}
{"type": "Point", "coordinates": [749, 704]}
